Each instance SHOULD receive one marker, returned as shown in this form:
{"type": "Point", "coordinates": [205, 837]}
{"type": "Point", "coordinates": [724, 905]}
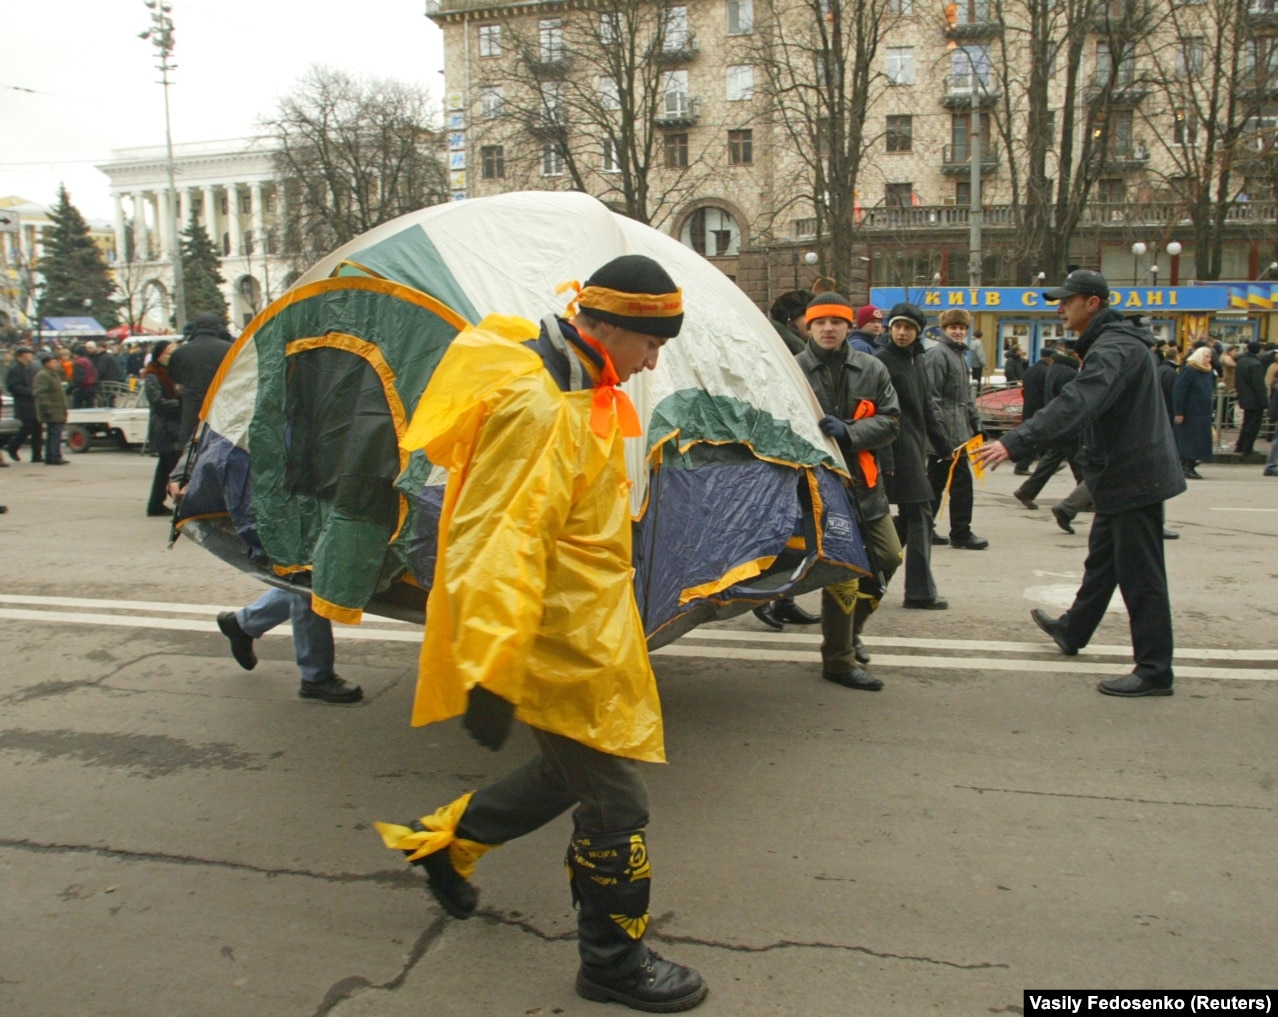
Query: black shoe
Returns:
{"type": "Point", "coordinates": [938, 540]}
{"type": "Point", "coordinates": [159, 512]}
{"type": "Point", "coordinates": [1052, 627]}
{"type": "Point", "coordinates": [767, 614]}
{"type": "Point", "coordinates": [788, 611]}
{"type": "Point", "coordinates": [1170, 534]}
{"type": "Point", "coordinates": [3, 509]}
{"type": "Point", "coordinates": [455, 894]}
{"type": "Point", "coordinates": [1022, 471]}
{"type": "Point", "coordinates": [969, 543]}
{"type": "Point", "coordinates": [855, 679]}
{"type": "Point", "coordinates": [655, 986]}
{"type": "Point", "coordinates": [56, 462]}
{"type": "Point", "coordinates": [1270, 473]}
{"type": "Point", "coordinates": [14, 452]}
{"type": "Point", "coordinates": [241, 641]}
{"type": "Point", "coordinates": [1133, 685]}
{"type": "Point", "coordinates": [1062, 520]}
{"type": "Point", "coordinates": [859, 651]}
{"type": "Point", "coordinates": [331, 690]}
{"type": "Point", "coordinates": [1025, 499]}
{"type": "Point", "coordinates": [1193, 474]}
{"type": "Point", "coordinates": [927, 603]}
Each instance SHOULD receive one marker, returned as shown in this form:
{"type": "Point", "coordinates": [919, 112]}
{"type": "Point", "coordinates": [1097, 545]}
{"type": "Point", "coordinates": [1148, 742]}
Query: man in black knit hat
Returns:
{"type": "Point", "coordinates": [532, 613]}
{"type": "Point", "coordinates": [861, 414]}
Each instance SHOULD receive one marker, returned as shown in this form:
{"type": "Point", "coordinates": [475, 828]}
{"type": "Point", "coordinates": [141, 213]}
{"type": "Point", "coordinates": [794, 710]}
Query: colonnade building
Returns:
{"type": "Point", "coordinates": [231, 188]}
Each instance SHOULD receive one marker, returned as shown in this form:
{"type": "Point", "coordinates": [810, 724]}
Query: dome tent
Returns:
{"type": "Point", "coordinates": [735, 493]}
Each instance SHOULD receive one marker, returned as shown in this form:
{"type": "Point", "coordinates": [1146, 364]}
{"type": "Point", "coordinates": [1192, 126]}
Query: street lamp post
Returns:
{"type": "Point", "coordinates": [161, 36]}
{"type": "Point", "coordinates": [1173, 251]}
{"type": "Point", "coordinates": [1138, 249]}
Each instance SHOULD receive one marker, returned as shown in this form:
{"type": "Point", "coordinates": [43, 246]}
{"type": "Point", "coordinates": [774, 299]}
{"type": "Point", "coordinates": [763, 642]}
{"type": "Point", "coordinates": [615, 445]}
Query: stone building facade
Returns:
{"type": "Point", "coordinates": [231, 187]}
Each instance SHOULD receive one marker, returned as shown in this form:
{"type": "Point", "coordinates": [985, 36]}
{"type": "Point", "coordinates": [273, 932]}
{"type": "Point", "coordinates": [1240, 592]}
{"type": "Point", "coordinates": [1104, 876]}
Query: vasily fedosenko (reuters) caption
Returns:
{"type": "Point", "coordinates": [1076, 1001]}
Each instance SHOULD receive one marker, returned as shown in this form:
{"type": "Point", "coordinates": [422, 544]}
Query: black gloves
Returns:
{"type": "Point", "coordinates": [832, 427]}
{"type": "Point", "coordinates": [488, 718]}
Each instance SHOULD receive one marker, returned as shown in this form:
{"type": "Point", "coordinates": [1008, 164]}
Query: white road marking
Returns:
{"type": "Point", "coordinates": [1220, 509]}
{"type": "Point", "coordinates": [141, 605]}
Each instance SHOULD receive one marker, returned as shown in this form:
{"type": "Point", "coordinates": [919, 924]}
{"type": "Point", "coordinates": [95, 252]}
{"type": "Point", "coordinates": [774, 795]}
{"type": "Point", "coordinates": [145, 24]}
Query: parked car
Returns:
{"type": "Point", "coordinates": [120, 417]}
{"type": "Point", "coordinates": [1001, 409]}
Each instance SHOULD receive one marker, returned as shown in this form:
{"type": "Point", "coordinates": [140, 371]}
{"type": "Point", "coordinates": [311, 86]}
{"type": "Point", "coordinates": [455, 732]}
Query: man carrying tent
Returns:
{"type": "Point", "coordinates": [532, 613]}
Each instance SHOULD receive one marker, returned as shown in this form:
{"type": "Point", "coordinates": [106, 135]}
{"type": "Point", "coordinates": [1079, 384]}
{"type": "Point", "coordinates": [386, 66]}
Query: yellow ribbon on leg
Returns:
{"type": "Point", "coordinates": [440, 833]}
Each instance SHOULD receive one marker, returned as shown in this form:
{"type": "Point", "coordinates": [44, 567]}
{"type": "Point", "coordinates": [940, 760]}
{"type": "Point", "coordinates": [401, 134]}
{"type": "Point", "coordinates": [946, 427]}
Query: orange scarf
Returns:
{"type": "Point", "coordinates": [610, 400]}
{"type": "Point", "coordinates": [864, 457]}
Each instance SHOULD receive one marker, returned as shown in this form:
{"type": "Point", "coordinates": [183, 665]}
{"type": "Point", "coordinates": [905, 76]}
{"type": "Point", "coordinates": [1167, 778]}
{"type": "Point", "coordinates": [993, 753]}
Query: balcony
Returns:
{"type": "Point", "coordinates": [671, 55]}
{"type": "Point", "coordinates": [1125, 159]}
{"type": "Point", "coordinates": [1120, 216]}
{"type": "Point", "coordinates": [1257, 86]}
{"type": "Point", "coordinates": [555, 64]}
{"type": "Point", "coordinates": [974, 21]}
{"type": "Point", "coordinates": [1122, 19]}
{"type": "Point", "coordinates": [548, 126]}
{"type": "Point", "coordinates": [956, 160]}
{"type": "Point", "coordinates": [678, 110]}
{"type": "Point", "coordinates": [960, 88]}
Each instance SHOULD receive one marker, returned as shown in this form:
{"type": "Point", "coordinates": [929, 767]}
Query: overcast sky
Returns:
{"type": "Point", "coordinates": [77, 82]}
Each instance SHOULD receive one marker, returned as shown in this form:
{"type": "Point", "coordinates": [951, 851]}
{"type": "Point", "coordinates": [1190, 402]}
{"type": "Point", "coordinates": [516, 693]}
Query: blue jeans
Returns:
{"type": "Point", "coordinates": [1271, 464]}
{"type": "Point", "coordinates": [52, 442]}
{"type": "Point", "coordinates": [312, 635]}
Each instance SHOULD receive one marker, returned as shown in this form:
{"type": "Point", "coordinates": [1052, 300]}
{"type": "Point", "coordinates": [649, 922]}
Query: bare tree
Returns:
{"type": "Point", "coordinates": [819, 60]}
{"type": "Point", "coordinates": [138, 291]}
{"type": "Point", "coordinates": [352, 154]}
{"type": "Point", "coordinates": [1215, 76]}
{"type": "Point", "coordinates": [598, 95]}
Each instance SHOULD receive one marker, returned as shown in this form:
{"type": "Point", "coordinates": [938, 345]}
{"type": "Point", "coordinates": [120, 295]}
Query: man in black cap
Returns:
{"type": "Point", "coordinates": [532, 613]}
{"type": "Point", "coordinates": [1131, 467]}
{"type": "Point", "coordinates": [1249, 380]}
{"type": "Point", "coordinates": [194, 365]}
{"type": "Point", "coordinates": [861, 414]}
{"type": "Point", "coordinates": [18, 381]}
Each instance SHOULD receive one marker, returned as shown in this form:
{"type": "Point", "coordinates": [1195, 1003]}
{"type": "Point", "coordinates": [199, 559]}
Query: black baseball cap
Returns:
{"type": "Point", "coordinates": [1081, 282]}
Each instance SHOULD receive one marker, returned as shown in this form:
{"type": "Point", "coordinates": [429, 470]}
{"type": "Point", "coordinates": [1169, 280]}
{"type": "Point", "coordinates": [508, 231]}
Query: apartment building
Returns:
{"type": "Point", "coordinates": [553, 95]}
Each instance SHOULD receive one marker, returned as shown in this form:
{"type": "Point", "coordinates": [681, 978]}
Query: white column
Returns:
{"type": "Point", "coordinates": [117, 201]}
{"type": "Point", "coordinates": [236, 225]}
{"type": "Point", "coordinates": [164, 205]}
{"type": "Point", "coordinates": [259, 217]}
{"type": "Point", "coordinates": [140, 246]}
{"type": "Point", "coordinates": [210, 219]}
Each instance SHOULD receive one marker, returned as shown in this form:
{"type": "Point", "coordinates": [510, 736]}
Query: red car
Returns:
{"type": "Point", "coordinates": [1001, 409]}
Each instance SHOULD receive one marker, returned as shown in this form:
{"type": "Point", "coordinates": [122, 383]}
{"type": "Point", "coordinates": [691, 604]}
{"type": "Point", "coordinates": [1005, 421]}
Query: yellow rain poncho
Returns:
{"type": "Point", "coordinates": [533, 596]}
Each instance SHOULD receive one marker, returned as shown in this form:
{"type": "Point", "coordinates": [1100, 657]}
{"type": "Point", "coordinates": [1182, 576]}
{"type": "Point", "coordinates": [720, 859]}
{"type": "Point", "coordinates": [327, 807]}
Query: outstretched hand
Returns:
{"type": "Point", "coordinates": [990, 455]}
{"type": "Point", "coordinates": [488, 718]}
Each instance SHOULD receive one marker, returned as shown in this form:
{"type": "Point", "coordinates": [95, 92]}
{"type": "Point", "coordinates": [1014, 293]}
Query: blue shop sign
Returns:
{"type": "Point", "coordinates": [1014, 300]}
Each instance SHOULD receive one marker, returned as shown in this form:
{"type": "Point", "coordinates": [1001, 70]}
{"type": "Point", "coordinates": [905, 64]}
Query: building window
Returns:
{"type": "Point", "coordinates": [1120, 134]}
{"type": "Point", "coordinates": [676, 148]}
{"type": "Point", "coordinates": [493, 158]}
{"type": "Point", "coordinates": [1189, 58]}
{"type": "Point", "coordinates": [741, 147]}
{"type": "Point", "coordinates": [1110, 191]}
{"type": "Point", "coordinates": [961, 135]}
{"type": "Point", "coordinates": [963, 193]}
{"type": "Point", "coordinates": [1125, 73]}
{"type": "Point", "coordinates": [609, 27]}
{"type": "Point", "coordinates": [674, 35]}
{"type": "Point", "coordinates": [804, 228]}
{"type": "Point", "coordinates": [900, 65]}
{"type": "Point", "coordinates": [550, 39]}
{"type": "Point", "coordinates": [901, 7]}
{"type": "Point", "coordinates": [489, 40]}
{"type": "Point", "coordinates": [712, 232]}
{"type": "Point", "coordinates": [552, 105]}
{"type": "Point", "coordinates": [677, 101]}
{"type": "Point", "coordinates": [1260, 58]}
{"type": "Point", "coordinates": [740, 82]}
{"type": "Point", "coordinates": [1184, 127]}
{"type": "Point", "coordinates": [246, 203]}
{"type": "Point", "coordinates": [552, 161]}
{"type": "Point", "coordinates": [489, 102]}
{"type": "Point", "coordinates": [970, 69]}
{"type": "Point", "coordinates": [900, 133]}
{"type": "Point", "coordinates": [899, 195]}
{"type": "Point", "coordinates": [611, 156]}
{"type": "Point", "coordinates": [740, 17]}
{"type": "Point", "coordinates": [609, 94]}
{"type": "Point", "coordinates": [225, 206]}
{"type": "Point", "coordinates": [269, 201]}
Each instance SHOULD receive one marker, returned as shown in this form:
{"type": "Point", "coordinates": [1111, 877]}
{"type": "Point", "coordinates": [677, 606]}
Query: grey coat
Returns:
{"type": "Point", "coordinates": [841, 379]}
{"type": "Point", "coordinates": [951, 385]}
{"type": "Point", "coordinates": [50, 396]}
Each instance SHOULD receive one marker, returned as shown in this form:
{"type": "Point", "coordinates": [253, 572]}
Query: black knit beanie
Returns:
{"type": "Point", "coordinates": [635, 293]}
{"type": "Point", "coordinates": [831, 305]}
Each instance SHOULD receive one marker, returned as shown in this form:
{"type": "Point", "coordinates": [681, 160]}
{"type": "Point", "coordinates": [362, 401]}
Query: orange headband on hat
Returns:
{"type": "Point", "coordinates": [830, 311]}
{"type": "Point", "coordinates": [632, 305]}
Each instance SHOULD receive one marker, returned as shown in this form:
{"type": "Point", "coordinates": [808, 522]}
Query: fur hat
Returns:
{"type": "Point", "coordinates": [907, 312]}
{"type": "Point", "coordinates": [831, 305]}
{"type": "Point", "coordinates": [955, 316]}
{"type": "Point", "coordinates": [635, 293]}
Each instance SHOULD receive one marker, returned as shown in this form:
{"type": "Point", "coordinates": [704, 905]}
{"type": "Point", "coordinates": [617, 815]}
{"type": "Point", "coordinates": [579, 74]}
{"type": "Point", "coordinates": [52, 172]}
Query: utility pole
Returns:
{"type": "Point", "coordinates": [974, 214]}
{"type": "Point", "coordinates": [161, 36]}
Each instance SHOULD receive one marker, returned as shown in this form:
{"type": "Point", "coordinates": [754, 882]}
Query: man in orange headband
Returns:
{"type": "Point", "coordinates": [532, 615]}
{"type": "Point", "coordinates": [862, 414]}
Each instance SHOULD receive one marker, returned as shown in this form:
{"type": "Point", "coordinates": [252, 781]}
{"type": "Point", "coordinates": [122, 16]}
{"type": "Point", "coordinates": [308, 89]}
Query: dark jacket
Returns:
{"type": "Point", "coordinates": [1062, 368]}
{"type": "Point", "coordinates": [793, 341]}
{"type": "Point", "coordinates": [1013, 368]}
{"type": "Point", "coordinates": [1167, 378]}
{"type": "Point", "coordinates": [107, 366]}
{"type": "Point", "coordinates": [904, 462]}
{"type": "Point", "coordinates": [1116, 404]}
{"type": "Point", "coordinates": [841, 379]}
{"type": "Point", "coordinates": [1249, 380]}
{"type": "Point", "coordinates": [950, 381]}
{"type": "Point", "coordinates": [50, 396]}
{"type": "Point", "coordinates": [164, 427]}
{"type": "Point", "coordinates": [193, 366]}
{"type": "Point", "coordinates": [18, 381]}
{"type": "Point", "coordinates": [1032, 383]}
{"type": "Point", "coordinates": [863, 341]}
{"type": "Point", "coordinates": [1194, 399]}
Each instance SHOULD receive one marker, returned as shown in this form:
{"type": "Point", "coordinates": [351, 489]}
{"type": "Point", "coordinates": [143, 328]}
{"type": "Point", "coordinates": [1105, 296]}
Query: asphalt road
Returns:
{"type": "Point", "coordinates": [181, 838]}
